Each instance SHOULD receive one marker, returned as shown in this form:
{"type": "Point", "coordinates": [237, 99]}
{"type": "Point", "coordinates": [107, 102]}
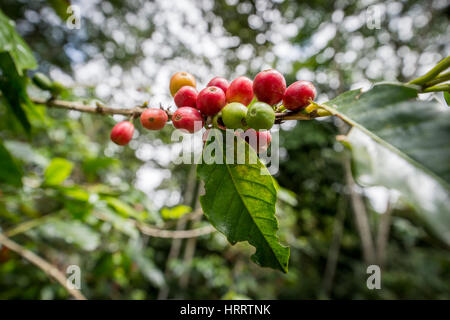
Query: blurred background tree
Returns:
{"type": "Point", "coordinates": [82, 199]}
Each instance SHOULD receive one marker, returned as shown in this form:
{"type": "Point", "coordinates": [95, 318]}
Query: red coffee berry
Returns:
{"type": "Point", "coordinates": [264, 140]}
{"type": "Point", "coordinates": [220, 82]}
{"type": "Point", "coordinates": [211, 100]}
{"type": "Point", "coordinates": [187, 118]}
{"type": "Point", "coordinates": [258, 140]}
{"type": "Point", "coordinates": [122, 133]}
{"type": "Point", "coordinates": [186, 97]}
{"type": "Point", "coordinates": [154, 119]}
{"type": "Point", "coordinates": [269, 86]}
{"type": "Point", "coordinates": [240, 90]}
{"type": "Point", "coordinates": [298, 95]}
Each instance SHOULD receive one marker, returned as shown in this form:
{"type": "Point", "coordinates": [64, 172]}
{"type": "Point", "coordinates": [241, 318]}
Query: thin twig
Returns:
{"type": "Point", "coordinates": [383, 234]}
{"type": "Point", "coordinates": [45, 266]}
{"type": "Point", "coordinates": [27, 225]}
{"type": "Point", "coordinates": [162, 233]}
{"type": "Point", "coordinates": [190, 196]}
{"type": "Point", "coordinates": [136, 111]}
{"type": "Point", "coordinates": [439, 79]}
{"type": "Point", "coordinates": [438, 88]}
{"type": "Point", "coordinates": [189, 250]}
{"type": "Point", "coordinates": [443, 65]}
{"type": "Point", "coordinates": [98, 109]}
{"type": "Point", "coordinates": [333, 252]}
{"type": "Point", "coordinates": [360, 213]}
{"type": "Point", "coordinates": [174, 234]}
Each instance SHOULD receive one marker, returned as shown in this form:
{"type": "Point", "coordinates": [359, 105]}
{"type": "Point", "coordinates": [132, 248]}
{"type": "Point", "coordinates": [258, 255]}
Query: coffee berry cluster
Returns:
{"type": "Point", "coordinates": [242, 104]}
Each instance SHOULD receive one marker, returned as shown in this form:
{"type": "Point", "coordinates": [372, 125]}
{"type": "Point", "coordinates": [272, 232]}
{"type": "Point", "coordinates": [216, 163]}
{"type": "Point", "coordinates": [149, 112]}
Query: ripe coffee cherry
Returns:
{"type": "Point", "coordinates": [298, 95]}
{"type": "Point", "coordinates": [187, 118]}
{"type": "Point", "coordinates": [211, 100]}
{"type": "Point", "coordinates": [122, 133]}
{"type": "Point", "coordinates": [222, 83]}
{"type": "Point", "coordinates": [233, 115]}
{"type": "Point", "coordinates": [269, 86]}
{"type": "Point", "coordinates": [240, 90]}
{"type": "Point", "coordinates": [258, 140]}
{"type": "Point", "coordinates": [186, 97]}
{"type": "Point", "coordinates": [260, 116]}
{"type": "Point", "coordinates": [181, 79]}
{"type": "Point", "coordinates": [264, 140]}
{"type": "Point", "coordinates": [154, 119]}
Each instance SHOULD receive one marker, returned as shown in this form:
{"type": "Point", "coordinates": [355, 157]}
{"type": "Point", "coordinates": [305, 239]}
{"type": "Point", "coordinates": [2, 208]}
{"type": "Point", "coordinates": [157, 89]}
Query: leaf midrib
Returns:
{"type": "Point", "coordinates": [248, 211]}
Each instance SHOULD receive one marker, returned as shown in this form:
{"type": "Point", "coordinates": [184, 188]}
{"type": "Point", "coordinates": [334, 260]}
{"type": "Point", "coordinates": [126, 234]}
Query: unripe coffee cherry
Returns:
{"type": "Point", "coordinates": [187, 118]}
{"type": "Point", "coordinates": [186, 97]}
{"type": "Point", "coordinates": [233, 115]}
{"type": "Point", "coordinates": [260, 116]}
{"type": "Point", "coordinates": [222, 83]}
{"type": "Point", "coordinates": [154, 119]}
{"type": "Point", "coordinates": [298, 95]}
{"type": "Point", "coordinates": [122, 133]}
{"type": "Point", "coordinates": [42, 81]}
{"type": "Point", "coordinates": [57, 88]}
{"type": "Point", "coordinates": [181, 79]}
{"type": "Point", "coordinates": [218, 122]}
{"type": "Point", "coordinates": [269, 86]}
{"type": "Point", "coordinates": [211, 100]}
{"type": "Point", "coordinates": [240, 90]}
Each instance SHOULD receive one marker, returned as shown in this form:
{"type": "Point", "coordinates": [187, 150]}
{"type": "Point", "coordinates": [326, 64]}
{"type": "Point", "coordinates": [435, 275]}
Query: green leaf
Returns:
{"type": "Point", "coordinates": [13, 88]}
{"type": "Point", "coordinates": [57, 171]}
{"type": "Point", "coordinates": [175, 212]}
{"type": "Point", "coordinates": [146, 266]}
{"type": "Point", "coordinates": [26, 153]}
{"type": "Point", "coordinates": [76, 193]}
{"type": "Point", "coordinates": [375, 165]}
{"type": "Point", "coordinates": [447, 98]}
{"type": "Point", "coordinates": [123, 208]}
{"type": "Point", "coordinates": [92, 166]}
{"type": "Point", "coordinates": [72, 232]}
{"type": "Point", "coordinates": [402, 144]}
{"type": "Point", "coordinates": [60, 7]}
{"type": "Point", "coordinates": [240, 202]}
{"type": "Point", "coordinates": [11, 42]}
{"type": "Point", "coordinates": [124, 225]}
{"type": "Point", "coordinates": [10, 172]}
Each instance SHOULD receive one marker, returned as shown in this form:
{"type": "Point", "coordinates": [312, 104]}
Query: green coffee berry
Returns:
{"type": "Point", "coordinates": [260, 116]}
{"type": "Point", "coordinates": [42, 81]}
{"type": "Point", "coordinates": [218, 122]}
{"type": "Point", "coordinates": [233, 115]}
{"type": "Point", "coordinates": [57, 88]}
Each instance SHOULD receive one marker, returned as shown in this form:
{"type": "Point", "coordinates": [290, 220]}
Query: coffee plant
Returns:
{"type": "Point", "coordinates": [396, 139]}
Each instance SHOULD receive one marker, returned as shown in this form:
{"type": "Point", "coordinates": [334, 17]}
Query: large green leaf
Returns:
{"type": "Point", "coordinates": [239, 201]}
{"type": "Point", "coordinates": [12, 43]}
{"type": "Point", "coordinates": [10, 172]}
{"type": "Point", "coordinates": [375, 164]}
{"type": "Point", "coordinates": [402, 144]}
